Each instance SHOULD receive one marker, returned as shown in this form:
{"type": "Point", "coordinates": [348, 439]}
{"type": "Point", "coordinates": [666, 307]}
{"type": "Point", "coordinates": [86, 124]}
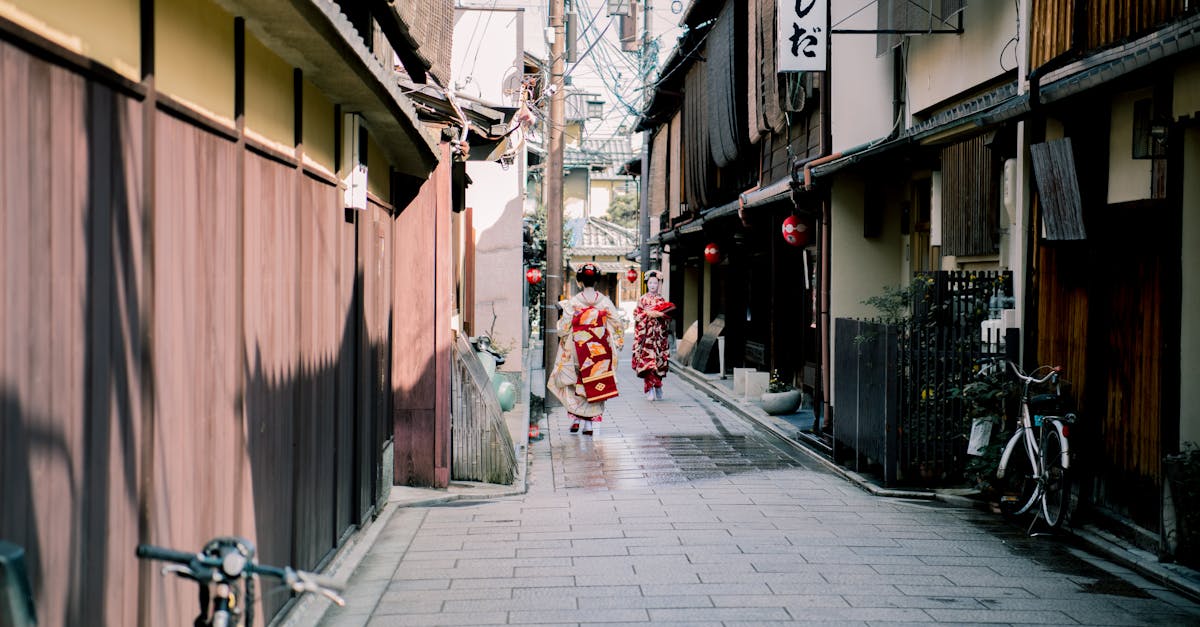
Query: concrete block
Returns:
{"type": "Point", "coordinates": [739, 380]}
{"type": "Point", "coordinates": [757, 384]}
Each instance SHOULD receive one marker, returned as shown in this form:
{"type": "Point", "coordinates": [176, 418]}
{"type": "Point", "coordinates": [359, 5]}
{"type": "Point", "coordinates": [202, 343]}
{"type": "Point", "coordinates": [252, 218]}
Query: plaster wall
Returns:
{"type": "Point", "coordinates": [601, 196]}
{"type": "Point", "coordinates": [270, 95]}
{"type": "Point", "coordinates": [1189, 338]}
{"type": "Point", "coordinates": [487, 59]}
{"type": "Point", "coordinates": [379, 178]}
{"type": "Point", "coordinates": [1187, 90]}
{"type": "Point", "coordinates": [104, 30]}
{"type": "Point", "coordinates": [859, 267]}
{"type": "Point", "coordinates": [861, 106]}
{"type": "Point", "coordinates": [193, 55]}
{"type": "Point", "coordinates": [1128, 178]}
{"type": "Point", "coordinates": [575, 193]}
{"type": "Point", "coordinates": [319, 133]}
{"type": "Point", "coordinates": [941, 67]}
{"type": "Point", "coordinates": [496, 201]}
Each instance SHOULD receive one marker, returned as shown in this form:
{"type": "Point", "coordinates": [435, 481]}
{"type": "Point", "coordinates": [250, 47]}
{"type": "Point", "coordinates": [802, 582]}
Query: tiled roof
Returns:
{"type": "Point", "coordinates": [600, 237]}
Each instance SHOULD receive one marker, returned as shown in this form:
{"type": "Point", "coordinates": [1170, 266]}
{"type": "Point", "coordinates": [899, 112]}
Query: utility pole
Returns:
{"type": "Point", "coordinates": [644, 200]}
{"type": "Point", "coordinates": [554, 189]}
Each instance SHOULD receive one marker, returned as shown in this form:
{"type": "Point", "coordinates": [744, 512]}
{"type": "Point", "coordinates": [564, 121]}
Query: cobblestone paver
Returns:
{"type": "Point", "coordinates": [679, 512]}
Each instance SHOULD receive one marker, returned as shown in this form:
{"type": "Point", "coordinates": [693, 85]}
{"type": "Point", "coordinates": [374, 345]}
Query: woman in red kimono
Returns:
{"type": "Point", "coordinates": [590, 336]}
{"type": "Point", "coordinates": [650, 349]}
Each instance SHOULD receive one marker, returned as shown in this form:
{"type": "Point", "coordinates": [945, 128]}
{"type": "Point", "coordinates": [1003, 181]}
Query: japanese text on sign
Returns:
{"type": "Point", "coordinates": [803, 29]}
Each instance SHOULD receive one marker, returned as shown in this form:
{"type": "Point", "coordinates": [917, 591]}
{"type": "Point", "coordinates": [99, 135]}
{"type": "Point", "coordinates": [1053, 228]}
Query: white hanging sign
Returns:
{"type": "Point", "coordinates": [802, 27]}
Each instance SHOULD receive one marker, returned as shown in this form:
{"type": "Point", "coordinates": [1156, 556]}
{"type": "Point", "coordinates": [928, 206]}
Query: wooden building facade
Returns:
{"type": "Point", "coordinates": [198, 336]}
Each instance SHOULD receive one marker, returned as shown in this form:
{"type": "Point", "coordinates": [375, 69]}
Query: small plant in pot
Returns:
{"type": "Point", "coordinates": [781, 397]}
{"type": "Point", "coordinates": [1181, 505]}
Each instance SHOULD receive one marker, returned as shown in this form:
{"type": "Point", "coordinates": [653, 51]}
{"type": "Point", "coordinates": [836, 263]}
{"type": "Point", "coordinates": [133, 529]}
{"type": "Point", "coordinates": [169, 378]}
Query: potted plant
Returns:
{"type": "Point", "coordinates": [781, 397]}
{"type": "Point", "coordinates": [1181, 505]}
{"type": "Point", "coordinates": [985, 402]}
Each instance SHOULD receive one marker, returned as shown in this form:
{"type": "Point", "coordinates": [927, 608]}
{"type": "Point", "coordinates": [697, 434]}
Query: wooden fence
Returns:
{"type": "Point", "coordinates": [482, 448]}
{"type": "Point", "coordinates": [865, 430]}
{"type": "Point", "coordinates": [941, 348]}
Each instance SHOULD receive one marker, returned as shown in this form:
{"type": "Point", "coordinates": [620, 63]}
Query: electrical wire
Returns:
{"type": "Point", "coordinates": [491, 10]}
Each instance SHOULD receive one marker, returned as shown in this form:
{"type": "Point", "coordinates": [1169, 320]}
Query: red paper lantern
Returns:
{"type": "Point", "coordinates": [795, 231]}
{"type": "Point", "coordinates": [632, 275]}
{"type": "Point", "coordinates": [712, 253]}
{"type": "Point", "coordinates": [533, 275]}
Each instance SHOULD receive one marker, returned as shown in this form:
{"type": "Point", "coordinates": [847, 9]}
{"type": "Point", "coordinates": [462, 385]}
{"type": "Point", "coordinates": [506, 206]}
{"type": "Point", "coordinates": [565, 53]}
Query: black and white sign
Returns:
{"type": "Point", "coordinates": [803, 31]}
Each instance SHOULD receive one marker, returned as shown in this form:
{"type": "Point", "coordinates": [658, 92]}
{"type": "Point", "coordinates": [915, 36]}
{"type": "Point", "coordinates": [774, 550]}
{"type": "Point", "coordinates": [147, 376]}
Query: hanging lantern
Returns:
{"type": "Point", "coordinates": [712, 254]}
{"type": "Point", "coordinates": [795, 231]}
{"type": "Point", "coordinates": [533, 275]}
{"type": "Point", "coordinates": [632, 275]}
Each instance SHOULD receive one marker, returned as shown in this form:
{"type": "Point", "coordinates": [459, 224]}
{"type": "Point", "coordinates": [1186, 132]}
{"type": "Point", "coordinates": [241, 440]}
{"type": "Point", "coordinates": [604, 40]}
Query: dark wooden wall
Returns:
{"type": "Point", "coordinates": [1060, 26]}
{"type": "Point", "coordinates": [421, 370]}
{"type": "Point", "coordinates": [1101, 316]}
{"type": "Point", "coordinates": [215, 359]}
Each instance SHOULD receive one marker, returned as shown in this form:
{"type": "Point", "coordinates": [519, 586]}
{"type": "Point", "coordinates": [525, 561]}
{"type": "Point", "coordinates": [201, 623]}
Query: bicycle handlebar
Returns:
{"type": "Point", "coordinates": [1054, 371]}
{"type": "Point", "coordinates": [149, 551]}
{"type": "Point", "coordinates": [200, 567]}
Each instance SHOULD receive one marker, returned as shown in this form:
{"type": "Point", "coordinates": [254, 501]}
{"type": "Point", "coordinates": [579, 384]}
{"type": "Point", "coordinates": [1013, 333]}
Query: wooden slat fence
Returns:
{"type": "Point", "coordinates": [941, 349]}
{"type": "Point", "coordinates": [482, 448]}
{"type": "Point", "coordinates": [970, 199]}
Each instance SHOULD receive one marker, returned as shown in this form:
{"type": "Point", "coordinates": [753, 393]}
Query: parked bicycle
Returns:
{"type": "Point", "coordinates": [1035, 466]}
{"type": "Point", "coordinates": [224, 570]}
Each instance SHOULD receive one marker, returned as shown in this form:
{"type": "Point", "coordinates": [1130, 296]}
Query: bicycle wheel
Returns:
{"type": "Point", "coordinates": [1056, 490]}
{"type": "Point", "coordinates": [1018, 487]}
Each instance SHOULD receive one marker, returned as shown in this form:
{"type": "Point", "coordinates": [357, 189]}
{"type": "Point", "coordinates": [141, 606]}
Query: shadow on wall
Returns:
{"type": "Point", "coordinates": [70, 390]}
{"type": "Point", "coordinates": [79, 486]}
{"type": "Point", "coordinates": [502, 243]}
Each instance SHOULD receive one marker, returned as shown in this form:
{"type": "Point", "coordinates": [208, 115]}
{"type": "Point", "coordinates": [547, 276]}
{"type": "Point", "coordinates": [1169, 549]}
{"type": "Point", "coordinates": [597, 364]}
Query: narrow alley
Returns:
{"type": "Point", "coordinates": [681, 512]}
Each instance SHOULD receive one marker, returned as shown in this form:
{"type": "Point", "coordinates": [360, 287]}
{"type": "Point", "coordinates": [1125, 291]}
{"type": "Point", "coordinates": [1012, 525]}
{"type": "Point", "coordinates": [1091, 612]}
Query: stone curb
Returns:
{"type": "Point", "coordinates": [1183, 579]}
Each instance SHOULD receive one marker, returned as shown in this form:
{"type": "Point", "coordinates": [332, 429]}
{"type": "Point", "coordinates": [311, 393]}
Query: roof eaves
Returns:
{"type": "Point", "coordinates": [314, 36]}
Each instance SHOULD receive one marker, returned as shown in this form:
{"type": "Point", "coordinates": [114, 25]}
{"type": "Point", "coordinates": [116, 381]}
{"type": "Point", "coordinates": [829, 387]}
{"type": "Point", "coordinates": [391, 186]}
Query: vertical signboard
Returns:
{"type": "Point", "coordinates": [803, 32]}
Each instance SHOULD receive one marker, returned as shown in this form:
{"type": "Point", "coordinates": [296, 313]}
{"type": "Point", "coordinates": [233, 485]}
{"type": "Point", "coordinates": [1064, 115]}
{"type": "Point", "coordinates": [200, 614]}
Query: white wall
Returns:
{"type": "Point", "coordinates": [862, 84]}
{"type": "Point", "coordinates": [601, 193]}
{"type": "Point", "coordinates": [1128, 178]}
{"type": "Point", "coordinates": [575, 193]}
{"type": "Point", "coordinates": [1189, 338]}
{"type": "Point", "coordinates": [488, 63]}
{"type": "Point", "coordinates": [487, 56]}
{"type": "Point", "coordinates": [497, 203]}
{"type": "Point", "coordinates": [943, 66]}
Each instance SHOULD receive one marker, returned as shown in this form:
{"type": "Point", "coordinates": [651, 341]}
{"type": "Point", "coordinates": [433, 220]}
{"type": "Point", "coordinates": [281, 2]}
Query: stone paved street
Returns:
{"type": "Point", "coordinates": [681, 512]}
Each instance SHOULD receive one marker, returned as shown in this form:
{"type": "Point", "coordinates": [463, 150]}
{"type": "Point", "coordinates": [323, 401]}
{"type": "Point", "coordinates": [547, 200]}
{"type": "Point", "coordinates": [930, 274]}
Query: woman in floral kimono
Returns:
{"type": "Point", "coordinates": [650, 349]}
{"type": "Point", "coordinates": [590, 335]}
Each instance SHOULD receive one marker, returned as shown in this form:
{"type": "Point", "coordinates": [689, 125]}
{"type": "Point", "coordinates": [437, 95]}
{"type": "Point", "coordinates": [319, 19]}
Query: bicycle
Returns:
{"type": "Point", "coordinates": [224, 570]}
{"type": "Point", "coordinates": [1042, 475]}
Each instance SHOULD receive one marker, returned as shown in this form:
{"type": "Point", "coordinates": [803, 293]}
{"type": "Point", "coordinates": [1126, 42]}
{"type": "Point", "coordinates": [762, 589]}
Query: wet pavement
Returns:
{"type": "Point", "coordinates": [681, 512]}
